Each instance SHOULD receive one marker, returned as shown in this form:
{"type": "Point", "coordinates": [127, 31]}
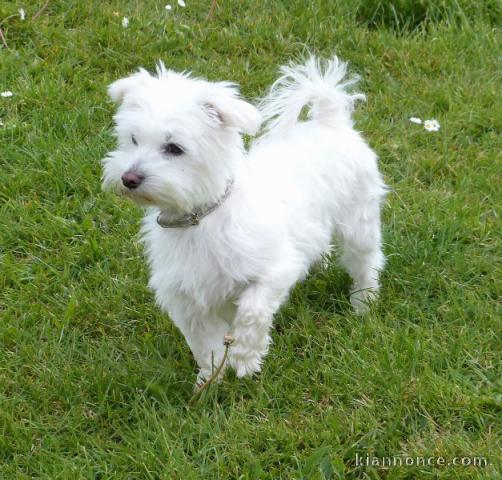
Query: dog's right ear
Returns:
{"type": "Point", "coordinates": [119, 89]}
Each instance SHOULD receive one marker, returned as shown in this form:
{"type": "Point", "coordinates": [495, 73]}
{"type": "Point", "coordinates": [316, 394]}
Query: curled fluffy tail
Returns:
{"type": "Point", "coordinates": [320, 85]}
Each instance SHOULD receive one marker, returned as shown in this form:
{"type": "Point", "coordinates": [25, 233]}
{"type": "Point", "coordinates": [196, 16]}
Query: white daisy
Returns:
{"type": "Point", "coordinates": [168, 7]}
{"type": "Point", "coordinates": [432, 125]}
{"type": "Point", "coordinates": [6, 94]}
{"type": "Point", "coordinates": [22, 13]}
{"type": "Point", "coordinates": [125, 22]}
{"type": "Point", "coordinates": [415, 120]}
{"type": "Point", "coordinates": [181, 3]}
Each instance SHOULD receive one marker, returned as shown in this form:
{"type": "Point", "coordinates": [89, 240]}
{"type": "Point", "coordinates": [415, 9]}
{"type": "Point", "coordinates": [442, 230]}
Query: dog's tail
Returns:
{"type": "Point", "coordinates": [319, 85]}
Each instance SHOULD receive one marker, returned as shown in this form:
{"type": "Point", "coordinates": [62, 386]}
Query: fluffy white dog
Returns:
{"type": "Point", "coordinates": [229, 232]}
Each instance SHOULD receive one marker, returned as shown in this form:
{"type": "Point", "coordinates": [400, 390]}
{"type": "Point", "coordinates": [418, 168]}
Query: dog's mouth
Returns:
{"type": "Point", "coordinates": [137, 196]}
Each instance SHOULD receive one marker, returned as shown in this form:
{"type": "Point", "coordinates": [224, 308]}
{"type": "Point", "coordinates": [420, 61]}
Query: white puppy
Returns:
{"type": "Point", "coordinates": [229, 232]}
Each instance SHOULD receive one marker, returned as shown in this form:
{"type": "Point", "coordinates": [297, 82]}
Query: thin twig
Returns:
{"type": "Point", "coordinates": [3, 39]}
{"type": "Point", "coordinates": [211, 10]}
{"type": "Point", "coordinates": [227, 341]}
{"type": "Point", "coordinates": [40, 11]}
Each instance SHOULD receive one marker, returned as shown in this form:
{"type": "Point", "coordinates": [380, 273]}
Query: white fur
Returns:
{"type": "Point", "coordinates": [301, 185]}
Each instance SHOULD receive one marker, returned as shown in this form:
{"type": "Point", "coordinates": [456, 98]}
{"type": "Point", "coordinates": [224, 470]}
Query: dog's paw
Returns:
{"type": "Point", "coordinates": [361, 300]}
{"type": "Point", "coordinates": [248, 349]}
{"type": "Point", "coordinates": [204, 375]}
{"type": "Point", "coordinates": [245, 362]}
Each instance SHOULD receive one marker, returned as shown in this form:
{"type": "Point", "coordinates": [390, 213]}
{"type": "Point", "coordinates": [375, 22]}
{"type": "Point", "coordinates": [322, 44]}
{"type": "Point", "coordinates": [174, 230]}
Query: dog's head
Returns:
{"type": "Point", "coordinates": [178, 138]}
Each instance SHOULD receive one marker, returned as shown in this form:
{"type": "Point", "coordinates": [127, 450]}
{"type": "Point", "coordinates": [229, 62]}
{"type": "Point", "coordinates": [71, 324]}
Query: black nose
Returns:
{"type": "Point", "coordinates": [131, 180]}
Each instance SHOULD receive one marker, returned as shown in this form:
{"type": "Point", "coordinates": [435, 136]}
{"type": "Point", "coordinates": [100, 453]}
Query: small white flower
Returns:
{"type": "Point", "coordinates": [22, 13]}
{"type": "Point", "coordinates": [6, 94]}
{"type": "Point", "coordinates": [415, 120]}
{"type": "Point", "coordinates": [432, 125]}
{"type": "Point", "coordinates": [125, 22]}
{"type": "Point", "coordinates": [168, 7]}
{"type": "Point", "coordinates": [181, 3]}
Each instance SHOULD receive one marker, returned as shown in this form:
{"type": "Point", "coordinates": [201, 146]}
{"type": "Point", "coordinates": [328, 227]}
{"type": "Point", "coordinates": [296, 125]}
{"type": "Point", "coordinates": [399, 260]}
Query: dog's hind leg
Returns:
{"type": "Point", "coordinates": [363, 259]}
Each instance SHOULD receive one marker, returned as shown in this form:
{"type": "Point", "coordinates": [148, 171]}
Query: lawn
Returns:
{"type": "Point", "coordinates": [95, 381]}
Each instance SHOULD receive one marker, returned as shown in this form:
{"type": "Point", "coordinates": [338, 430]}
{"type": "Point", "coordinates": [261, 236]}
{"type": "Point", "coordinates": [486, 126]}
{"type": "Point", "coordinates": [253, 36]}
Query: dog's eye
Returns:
{"type": "Point", "coordinates": [172, 149]}
{"type": "Point", "coordinates": [133, 140]}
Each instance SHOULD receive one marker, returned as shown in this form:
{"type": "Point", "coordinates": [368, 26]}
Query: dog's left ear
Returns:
{"type": "Point", "coordinates": [225, 107]}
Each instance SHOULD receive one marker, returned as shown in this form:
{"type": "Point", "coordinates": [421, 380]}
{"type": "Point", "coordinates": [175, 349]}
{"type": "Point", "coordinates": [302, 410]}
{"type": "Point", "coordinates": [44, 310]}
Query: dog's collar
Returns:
{"type": "Point", "coordinates": [193, 218]}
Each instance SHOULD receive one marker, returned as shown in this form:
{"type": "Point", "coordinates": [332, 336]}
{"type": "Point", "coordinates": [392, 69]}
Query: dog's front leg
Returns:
{"type": "Point", "coordinates": [206, 342]}
{"type": "Point", "coordinates": [204, 334]}
{"type": "Point", "coordinates": [251, 327]}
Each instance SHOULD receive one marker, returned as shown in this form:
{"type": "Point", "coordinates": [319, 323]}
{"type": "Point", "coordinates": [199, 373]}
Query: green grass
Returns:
{"type": "Point", "coordinates": [94, 380]}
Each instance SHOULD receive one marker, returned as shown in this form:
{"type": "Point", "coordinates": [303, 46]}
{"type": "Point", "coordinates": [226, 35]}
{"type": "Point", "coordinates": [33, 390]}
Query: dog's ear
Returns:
{"type": "Point", "coordinates": [226, 108]}
{"type": "Point", "coordinates": [119, 89]}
